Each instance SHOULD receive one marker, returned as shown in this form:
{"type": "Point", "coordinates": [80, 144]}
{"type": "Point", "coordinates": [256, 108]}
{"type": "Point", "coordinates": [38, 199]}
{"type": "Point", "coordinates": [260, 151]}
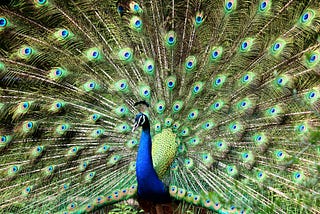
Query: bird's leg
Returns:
{"type": "Point", "coordinates": [159, 209]}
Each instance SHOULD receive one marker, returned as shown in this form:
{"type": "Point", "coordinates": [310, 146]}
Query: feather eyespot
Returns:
{"type": "Point", "coordinates": [27, 51]}
{"type": "Point", "coordinates": [3, 22]}
{"type": "Point", "coordinates": [64, 33]}
{"type": "Point", "coordinates": [3, 139]}
{"type": "Point", "coordinates": [29, 125]}
{"type": "Point", "coordinates": [313, 58]}
{"type": "Point", "coordinates": [276, 46]}
{"type": "Point", "coordinates": [263, 5]}
{"type": "Point", "coordinates": [41, 1]}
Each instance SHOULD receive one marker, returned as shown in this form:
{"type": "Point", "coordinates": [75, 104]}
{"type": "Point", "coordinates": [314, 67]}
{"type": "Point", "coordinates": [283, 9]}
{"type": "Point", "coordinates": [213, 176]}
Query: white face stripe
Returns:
{"type": "Point", "coordinates": [136, 124]}
{"type": "Point", "coordinates": [144, 119]}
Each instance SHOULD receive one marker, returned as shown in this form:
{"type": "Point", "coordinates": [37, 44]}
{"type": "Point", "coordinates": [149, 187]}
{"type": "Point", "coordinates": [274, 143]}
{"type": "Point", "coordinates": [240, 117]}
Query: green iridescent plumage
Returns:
{"type": "Point", "coordinates": [229, 91]}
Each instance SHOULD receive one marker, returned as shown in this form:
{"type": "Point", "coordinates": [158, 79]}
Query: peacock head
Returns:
{"type": "Point", "coordinates": [141, 120]}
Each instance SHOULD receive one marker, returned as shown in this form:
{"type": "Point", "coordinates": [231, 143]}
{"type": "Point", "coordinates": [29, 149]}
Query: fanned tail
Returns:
{"type": "Point", "coordinates": [236, 81]}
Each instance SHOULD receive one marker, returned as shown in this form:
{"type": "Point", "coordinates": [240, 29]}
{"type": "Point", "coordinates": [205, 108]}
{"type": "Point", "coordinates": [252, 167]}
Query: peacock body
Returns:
{"type": "Point", "coordinates": [234, 94]}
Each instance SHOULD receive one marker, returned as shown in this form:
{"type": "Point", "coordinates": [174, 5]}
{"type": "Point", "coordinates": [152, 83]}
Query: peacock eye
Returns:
{"type": "Point", "coordinates": [95, 54]}
{"type": "Point", "coordinates": [215, 54]}
{"type": "Point", "coordinates": [313, 58]}
{"type": "Point", "coordinates": [302, 127]}
{"type": "Point", "coordinates": [3, 22]}
{"type": "Point", "coordinates": [42, 1]}
{"type": "Point", "coordinates": [199, 19]}
{"type": "Point", "coordinates": [138, 23]}
{"type": "Point", "coordinates": [244, 45]}
{"type": "Point", "coordinates": [126, 55]}
{"type": "Point", "coordinates": [58, 72]}
{"type": "Point", "coordinates": [171, 39]}
{"type": "Point", "coordinates": [120, 9]}
{"type": "Point", "coordinates": [64, 33]}
{"type": "Point", "coordinates": [312, 95]}
{"type": "Point", "coordinates": [136, 7]}
{"type": "Point", "coordinates": [29, 125]}
{"type": "Point", "coordinates": [306, 16]}
{"type": "Point", "coordinates": [263, 5]}
{"type": "Point", "coordinates": [3, 138]}
{"type": "Point", "coordinates": [150, 67]}
{"type": "Point", "coordinates": [58, 105]}
{"type": "Point", "coordinates": [28, 51]}
{"type": "Point", "coordinates": [229, 5]}
{"type": "Point", "coordinates": [25, 105]}
{"type": "Point", "coordinates": [276, 46]}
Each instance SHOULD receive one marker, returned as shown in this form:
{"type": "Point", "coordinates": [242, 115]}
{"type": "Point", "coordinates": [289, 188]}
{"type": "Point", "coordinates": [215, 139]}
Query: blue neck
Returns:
{"type": "Point", "coordinates": [149, 185]}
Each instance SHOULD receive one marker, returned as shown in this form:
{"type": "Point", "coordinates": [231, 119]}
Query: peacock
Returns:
{"type": "Point", "coordinates": [203, 106]}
